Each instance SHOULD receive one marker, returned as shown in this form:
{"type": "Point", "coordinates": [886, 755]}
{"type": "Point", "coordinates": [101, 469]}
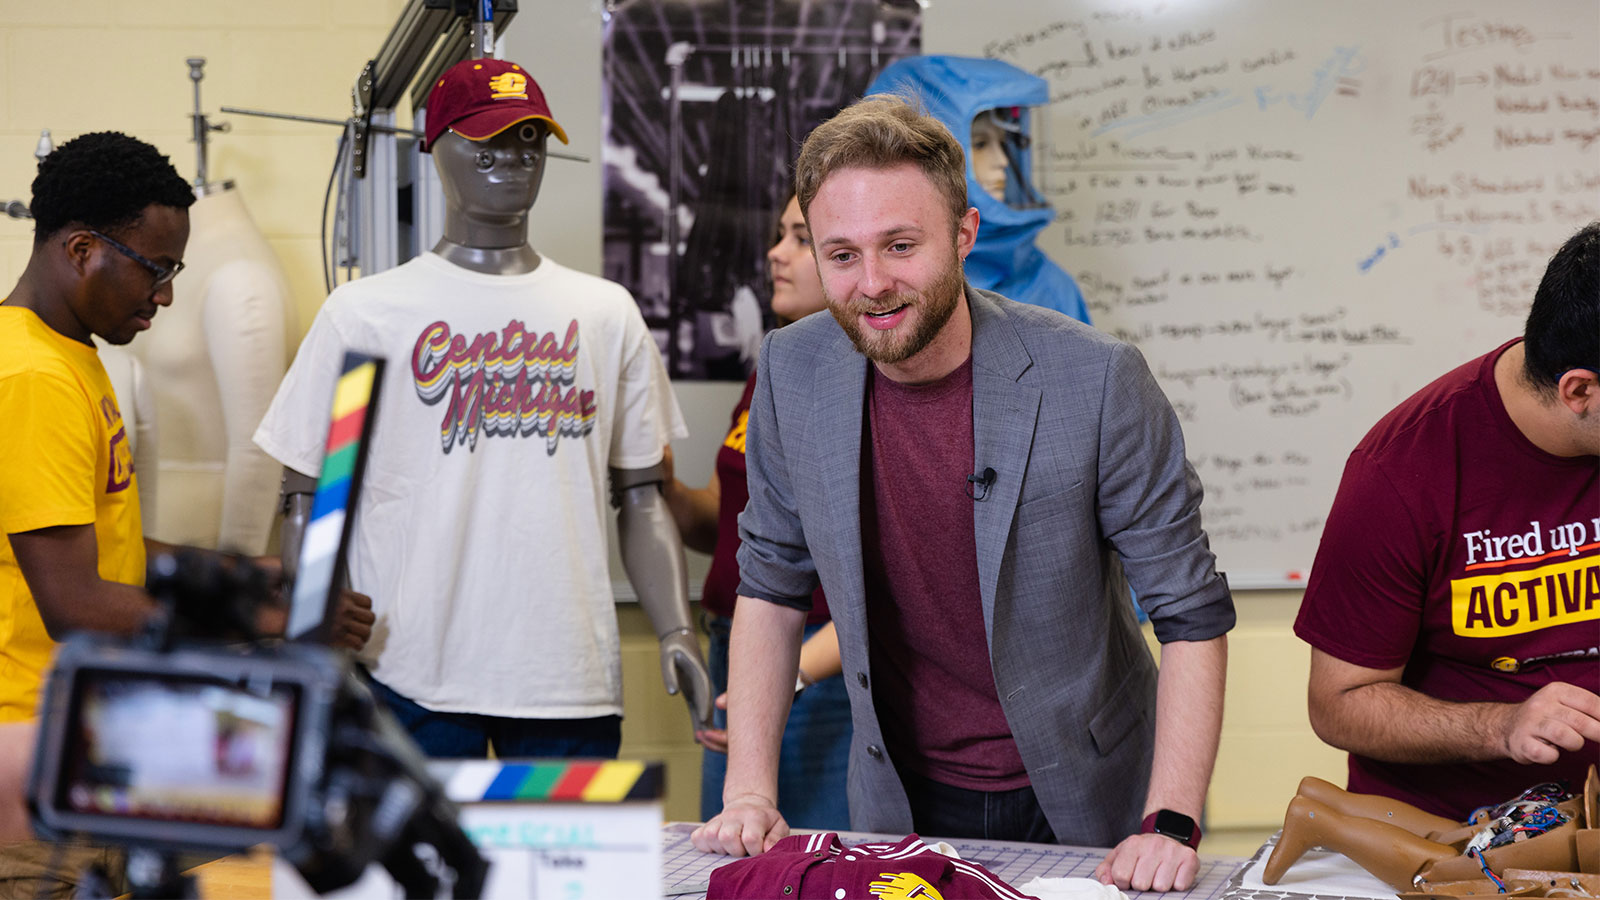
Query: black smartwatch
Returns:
{"type": "Point", "coordinates": [1174, 825]}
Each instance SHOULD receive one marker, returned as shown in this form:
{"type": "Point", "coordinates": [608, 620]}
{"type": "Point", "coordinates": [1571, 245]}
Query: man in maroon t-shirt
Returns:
{"type": "Point", "coordinates": [1454, 607]}
{"type": "Point", "coordinates": [976, 483]}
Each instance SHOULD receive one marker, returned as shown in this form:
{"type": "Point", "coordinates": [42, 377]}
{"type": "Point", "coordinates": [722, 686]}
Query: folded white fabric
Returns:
{"type": "Point", "coordinates": [1319, 871]}
{"type": "Point", "coordinates": [1071, 889]}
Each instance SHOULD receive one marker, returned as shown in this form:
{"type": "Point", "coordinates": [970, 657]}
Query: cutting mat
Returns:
{"type": "Point", "coordinates": [1016, 863]}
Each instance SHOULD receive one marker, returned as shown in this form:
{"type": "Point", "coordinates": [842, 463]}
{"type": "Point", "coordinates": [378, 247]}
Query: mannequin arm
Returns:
{"type": "Point", "coordinates": [243, 316]}
{"type": "Point", "coordinates": [296, 489]}
{"type": "Point", "coordinates": [652, 554]}
{"type": "Point", "coordinates": [353, 618]}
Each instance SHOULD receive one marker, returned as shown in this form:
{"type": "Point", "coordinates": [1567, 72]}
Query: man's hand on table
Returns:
{"type": "Point", "coordinates": [1149, 862]}
{"type": "Point", "coordinates": [749, 824]}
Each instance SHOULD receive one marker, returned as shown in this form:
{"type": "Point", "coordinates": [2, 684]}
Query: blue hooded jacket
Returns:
{"type": "Point", "coordinates": [955, 89]}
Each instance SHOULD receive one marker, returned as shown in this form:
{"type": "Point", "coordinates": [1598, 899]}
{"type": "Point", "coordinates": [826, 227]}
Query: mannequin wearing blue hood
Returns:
{"type": "Point", "coordinates": [957, 90]}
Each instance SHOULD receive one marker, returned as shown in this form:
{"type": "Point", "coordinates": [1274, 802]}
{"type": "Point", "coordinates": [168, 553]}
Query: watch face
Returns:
{"type": "Point", "coordinates": [1175, 825]}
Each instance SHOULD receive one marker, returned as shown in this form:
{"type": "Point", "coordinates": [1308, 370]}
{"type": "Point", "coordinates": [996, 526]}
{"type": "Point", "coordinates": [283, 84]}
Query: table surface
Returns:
{"type": "Point", "coordinates": [1015, 862]}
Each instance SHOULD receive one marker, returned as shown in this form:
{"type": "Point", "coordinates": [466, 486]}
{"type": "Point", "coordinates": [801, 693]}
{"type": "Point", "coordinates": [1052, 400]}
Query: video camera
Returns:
{"type": "Point", "coordinates": [199, 736]}
{"type": "Point", "coordinates": [173, 745]}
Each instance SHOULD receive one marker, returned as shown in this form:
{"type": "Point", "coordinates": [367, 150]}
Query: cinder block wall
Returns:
{"type": "Point", "coordinates": [92, 65]}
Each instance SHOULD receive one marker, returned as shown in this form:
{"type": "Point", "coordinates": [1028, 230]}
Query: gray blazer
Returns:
{"type": "Point", "coordinates": [1092, 493]}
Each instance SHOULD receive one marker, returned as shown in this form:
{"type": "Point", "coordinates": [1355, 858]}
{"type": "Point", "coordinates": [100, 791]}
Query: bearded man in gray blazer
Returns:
{"type": "Point", "coordinates": [976, 483]}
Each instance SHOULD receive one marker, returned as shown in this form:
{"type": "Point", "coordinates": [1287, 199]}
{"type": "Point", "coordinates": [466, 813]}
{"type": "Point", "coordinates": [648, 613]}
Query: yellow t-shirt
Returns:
{"type": "Point", "coordinates": [64, 460]}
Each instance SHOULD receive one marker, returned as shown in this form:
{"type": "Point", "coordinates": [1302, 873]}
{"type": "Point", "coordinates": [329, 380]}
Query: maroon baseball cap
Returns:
{"type": "Point", "coordinates": [479, 98]}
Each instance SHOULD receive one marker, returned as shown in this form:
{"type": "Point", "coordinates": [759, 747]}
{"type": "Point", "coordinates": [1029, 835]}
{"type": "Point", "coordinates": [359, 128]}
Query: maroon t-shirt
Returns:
{"type": "Point", "coordinates": [932, 683]}
{"type": "Point", "coordinates": [722, 581]}
{"type": "Point", "coordinates": [1458, 549]}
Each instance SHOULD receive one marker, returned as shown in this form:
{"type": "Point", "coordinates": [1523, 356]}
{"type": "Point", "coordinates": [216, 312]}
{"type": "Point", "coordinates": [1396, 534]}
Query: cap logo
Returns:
{"type": "Point", "coordinates": [509, 85]}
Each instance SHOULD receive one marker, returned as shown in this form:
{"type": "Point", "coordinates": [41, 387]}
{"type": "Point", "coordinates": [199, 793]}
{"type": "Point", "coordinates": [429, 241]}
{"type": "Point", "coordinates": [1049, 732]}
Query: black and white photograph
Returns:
{"type": "Point", "coordinates": [706, 105]}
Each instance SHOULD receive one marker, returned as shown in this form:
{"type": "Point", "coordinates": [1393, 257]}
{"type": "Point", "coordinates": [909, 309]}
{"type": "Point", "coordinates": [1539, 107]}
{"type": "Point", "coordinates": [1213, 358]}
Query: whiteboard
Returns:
{"type": "Point", "coordinates": [1301, 212]}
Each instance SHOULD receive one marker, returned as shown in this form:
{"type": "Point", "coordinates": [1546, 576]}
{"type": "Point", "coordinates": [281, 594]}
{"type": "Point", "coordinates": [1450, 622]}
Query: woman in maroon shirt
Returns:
{"type": "Point", "coordinates": [816, 739]}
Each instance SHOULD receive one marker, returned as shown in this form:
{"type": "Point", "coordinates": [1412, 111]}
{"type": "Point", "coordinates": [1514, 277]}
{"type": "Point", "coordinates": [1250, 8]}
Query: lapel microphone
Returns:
{"type": "Point", "coordinates": [978, 483]}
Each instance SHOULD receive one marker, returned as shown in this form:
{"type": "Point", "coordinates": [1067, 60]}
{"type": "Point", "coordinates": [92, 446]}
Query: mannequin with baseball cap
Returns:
{"type": "Point", "coordinates": [516, 390]}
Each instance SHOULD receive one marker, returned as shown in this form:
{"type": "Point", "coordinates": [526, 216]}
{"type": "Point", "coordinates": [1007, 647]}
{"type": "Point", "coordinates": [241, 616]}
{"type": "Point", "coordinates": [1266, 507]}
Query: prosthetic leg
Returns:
{"type": "Point", "coordinates": [1406, 847]}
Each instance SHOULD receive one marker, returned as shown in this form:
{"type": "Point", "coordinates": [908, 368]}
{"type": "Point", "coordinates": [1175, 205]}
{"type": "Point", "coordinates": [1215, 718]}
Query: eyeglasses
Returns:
{"type": "Point", "coordinates": [162, 273]}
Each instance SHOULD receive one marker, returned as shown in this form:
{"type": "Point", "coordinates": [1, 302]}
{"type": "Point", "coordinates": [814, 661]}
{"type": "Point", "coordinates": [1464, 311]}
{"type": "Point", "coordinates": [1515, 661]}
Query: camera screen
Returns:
{"type": "Point", "coordinates": [178, 751]}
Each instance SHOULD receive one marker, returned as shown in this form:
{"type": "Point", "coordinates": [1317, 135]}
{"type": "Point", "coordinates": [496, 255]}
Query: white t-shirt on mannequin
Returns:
{"type": "Point", "coordinates": [481, 530]}
{"type": "Point", "coordinates": [213, 359]}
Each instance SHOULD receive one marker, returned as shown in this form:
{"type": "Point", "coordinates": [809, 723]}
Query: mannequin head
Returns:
{"type": "Point", "coordinates": [989, 155]}
{"type": "Point", "coordinates": [490, 185]}
{"type": "Point", "coordinates": [999, 139]}
{"type": "Point", "coordinates": [796, 286]}
{"type": "Point", "coordinates": [487, 123]}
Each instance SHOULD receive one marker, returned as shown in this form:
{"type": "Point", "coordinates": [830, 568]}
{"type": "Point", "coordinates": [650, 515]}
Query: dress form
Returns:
{"type": "Point", "coordinates": [137, 403]}
{"type": "Point", "coordinates": [214, 360]}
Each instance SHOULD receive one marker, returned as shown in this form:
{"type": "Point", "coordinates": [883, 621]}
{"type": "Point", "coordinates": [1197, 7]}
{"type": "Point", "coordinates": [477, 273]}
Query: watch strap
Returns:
{"type": "Point", "coordinates": [1175, 825]}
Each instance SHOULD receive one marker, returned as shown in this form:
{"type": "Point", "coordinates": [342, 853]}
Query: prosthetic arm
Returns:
{"type": "Point", "coordinates": [652, 554]}
{"type": "Point", "coordinates": [294, 496]}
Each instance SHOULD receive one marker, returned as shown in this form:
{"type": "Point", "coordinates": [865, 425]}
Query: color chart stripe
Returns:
{"type": "Point", "coordinates": [319, 549]}
{"type": "Point", "coordinates": [588, 781]}
{"type": "Point", "coordinates": [347, 429]}
{"type": "Point", "coordinates": [571, 784]}
{"type": "Point", "coordinates": [613, 782]}
{"type": "Point", "coordinates": [355, 386]}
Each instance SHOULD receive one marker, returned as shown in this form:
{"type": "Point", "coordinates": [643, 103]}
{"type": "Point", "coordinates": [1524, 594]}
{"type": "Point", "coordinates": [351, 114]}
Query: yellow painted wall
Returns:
{"type": "Point", "coordinates": [92, 65]}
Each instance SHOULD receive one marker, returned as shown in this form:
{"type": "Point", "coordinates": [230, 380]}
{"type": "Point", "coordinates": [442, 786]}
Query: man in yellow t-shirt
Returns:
{"type": "Point", "coordinates": [67, 465]}
{"type": "Point", "coordinates": [111, 221]}
{"type": "Point", "coordinates": [110, 224]}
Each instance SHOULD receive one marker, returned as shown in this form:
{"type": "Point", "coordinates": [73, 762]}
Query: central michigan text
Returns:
{"type": "Point", "coordinates": [507, 383]}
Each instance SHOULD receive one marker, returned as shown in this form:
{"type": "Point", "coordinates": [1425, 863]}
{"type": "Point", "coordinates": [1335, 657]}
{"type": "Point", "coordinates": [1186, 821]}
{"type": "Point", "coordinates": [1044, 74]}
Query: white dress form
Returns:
{"type": "Point", "coordinates": [137, 403]}
{"type": "Point", "coordinates": [214, 359]}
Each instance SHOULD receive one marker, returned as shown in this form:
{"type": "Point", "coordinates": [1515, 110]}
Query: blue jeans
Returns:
{"type": "Point", "coordinates": [815, 755]}
{"type": "Point", "coordinates": [447, 735]}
